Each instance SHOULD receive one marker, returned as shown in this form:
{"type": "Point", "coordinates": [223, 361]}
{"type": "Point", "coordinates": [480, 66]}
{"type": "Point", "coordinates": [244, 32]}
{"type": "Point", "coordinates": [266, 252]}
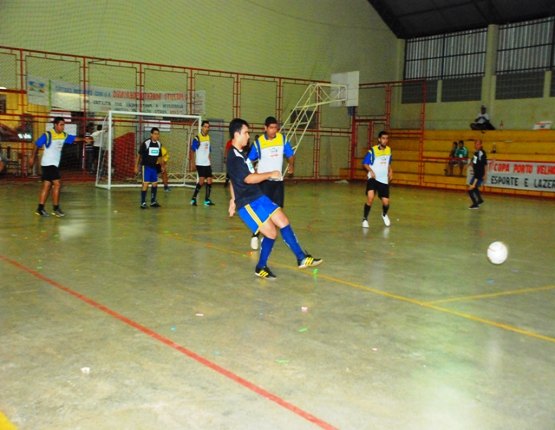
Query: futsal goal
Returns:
{"type": "Point", "coordinates": [122, 133]}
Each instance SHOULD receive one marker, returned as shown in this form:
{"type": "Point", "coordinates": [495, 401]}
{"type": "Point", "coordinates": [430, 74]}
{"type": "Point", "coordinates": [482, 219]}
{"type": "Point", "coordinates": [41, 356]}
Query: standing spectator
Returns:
{"type": "Point", "coordinates": [53, 142]}
{"type": "Point", "coordinates": [377, 163]}
{"type": "Point", "coordinates": [256, 210]}
{"type": "Point", "coordinates": [98, 137]}
{"type": "Point", "coordinates": [482, 121]}
{"type": "Point", "coordinates": [268, 150]}
{"type": "Point", "coordinates": [201, 148]}
{"type": "Point", "coordinates": [150, 153]}
{"type": "Point", "coordinates": [479, 163]}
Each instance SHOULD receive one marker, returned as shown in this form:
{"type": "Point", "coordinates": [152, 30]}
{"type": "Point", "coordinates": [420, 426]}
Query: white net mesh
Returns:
{"type": "Point", "coordinates": [123, 132]}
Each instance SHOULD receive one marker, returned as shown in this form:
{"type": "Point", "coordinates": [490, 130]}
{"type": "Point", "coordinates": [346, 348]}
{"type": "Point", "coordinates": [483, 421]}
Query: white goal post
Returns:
{"type": "Point", "coordinates": [123, 132]}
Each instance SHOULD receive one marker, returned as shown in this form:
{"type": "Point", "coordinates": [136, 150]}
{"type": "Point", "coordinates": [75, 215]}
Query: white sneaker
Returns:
{"type": "Point", "coordinates": [254, 242]}
{"type": "Point", "coordinates": [365, 223]}
{"type": "Point", "coordinates": [386, 220]}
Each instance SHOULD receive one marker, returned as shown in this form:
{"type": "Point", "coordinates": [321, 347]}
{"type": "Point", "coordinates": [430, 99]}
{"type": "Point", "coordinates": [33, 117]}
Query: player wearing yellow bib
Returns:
{"type": "Point", "coordinates": [53, 142]}
{"type": "Point", "coordinates": [378, 165]}
{"type": "Point", "coordinates": [268, 150]}
{"type": "Point", "coordinates": [201, 147]}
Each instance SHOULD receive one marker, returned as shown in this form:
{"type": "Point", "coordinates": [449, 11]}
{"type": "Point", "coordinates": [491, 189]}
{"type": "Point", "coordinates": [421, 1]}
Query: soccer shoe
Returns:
{"type": "Point", "coordinates": [264, 272]}
{"type": "Point", "coordinates": [143, 205]}
{"type": "Point", "coordinates": [167, 189]}
{"type": "Point", "coordinates": [209, 202]}
{"type": "Point", "coordinates": [386, 220]}
{"type": "Point", "coordinates": [41, 212]}
{"type": "Point", "coordinates": [474, 206]}
{"type": "Point", "coordinates": [309, 261]}
{"type": "Point", "coordinates": [254, 242]}
{"type": "Point", "coordinates": [58, 213]}
{"type": "Point", "coordinates": [155, 205]}
{"type": "Point", "coordinates": [193, 202]}
{"type": "Point", "coordinates": [480, 202]}
{"type": "Point", "coordinates": [365, 223]}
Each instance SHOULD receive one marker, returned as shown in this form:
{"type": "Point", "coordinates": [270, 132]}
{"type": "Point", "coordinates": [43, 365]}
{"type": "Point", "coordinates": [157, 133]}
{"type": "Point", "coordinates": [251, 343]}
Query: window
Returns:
{"type": "Point", "coordinates": [412, 92]}
{"type": "Point", "coordinates": [455, 57]}
{"type": "Point", "coordinates": [524, 53]}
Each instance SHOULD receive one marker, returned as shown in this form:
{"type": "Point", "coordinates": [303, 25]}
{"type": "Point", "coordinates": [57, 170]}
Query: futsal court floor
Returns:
{"type": "Point", "coordinates": [119, 318]}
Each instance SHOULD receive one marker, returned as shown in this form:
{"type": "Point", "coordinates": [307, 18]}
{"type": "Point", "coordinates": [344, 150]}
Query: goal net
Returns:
{"type": "Point", "coordinates": [120, 136]}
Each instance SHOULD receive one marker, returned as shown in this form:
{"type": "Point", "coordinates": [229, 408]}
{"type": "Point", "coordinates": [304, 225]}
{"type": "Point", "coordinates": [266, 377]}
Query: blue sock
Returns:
{"type": "Point", "coordinates": [153, 194]}
{"type": "Point", "coordinates": [291, 240]}
{"type": "Point", "coordinates": [265, 250]}
{"type": "Point", "coordinates": [143, 196]}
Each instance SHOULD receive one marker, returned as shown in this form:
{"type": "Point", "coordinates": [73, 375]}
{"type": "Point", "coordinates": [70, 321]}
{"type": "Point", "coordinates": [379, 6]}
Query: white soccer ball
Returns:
{"type": "Point", "coordinates": [497, 252]}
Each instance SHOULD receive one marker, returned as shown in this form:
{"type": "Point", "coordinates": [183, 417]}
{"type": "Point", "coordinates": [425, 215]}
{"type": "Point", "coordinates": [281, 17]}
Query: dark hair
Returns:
{"type": "Point", "coordinates": [236, 125]}
{"type": "Point", "coordinates": [270, 120]}
{"type": "Point", "coordinates": [58, 119]}
{"type": "Point", "coordinates": [204, 121]}
{"type": "Point", "coordinates": [153, 129]}
{"type": "Point", "coordinates": [383, 133]}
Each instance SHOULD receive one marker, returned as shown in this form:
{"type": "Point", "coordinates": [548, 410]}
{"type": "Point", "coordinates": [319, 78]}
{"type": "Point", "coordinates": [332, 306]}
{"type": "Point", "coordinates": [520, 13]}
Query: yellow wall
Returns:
{"type": "Point", "coordinates": [306, 39]}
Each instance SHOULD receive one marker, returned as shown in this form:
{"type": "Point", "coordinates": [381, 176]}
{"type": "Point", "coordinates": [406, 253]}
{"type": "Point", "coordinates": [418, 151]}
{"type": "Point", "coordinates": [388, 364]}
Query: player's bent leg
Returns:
{"type": "Point", "coordinates": [268, 229]}
{"type": "Point", "coordinates": [370, 195]}
{"type": "Point", "coordinates": [45, 190]}
{"type": "Point", "coordinates": [280, 219]}
{"type": "Point", "coordinates": [56, 186]}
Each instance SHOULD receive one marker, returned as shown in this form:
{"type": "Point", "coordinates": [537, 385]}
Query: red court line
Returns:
{"type": "Point", "coordinates": [205, 362]}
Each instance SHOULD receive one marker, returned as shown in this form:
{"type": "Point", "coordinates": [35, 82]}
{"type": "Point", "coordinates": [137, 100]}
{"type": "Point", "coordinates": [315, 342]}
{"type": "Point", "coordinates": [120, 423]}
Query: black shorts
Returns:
{"type": "Point", "coordinates": [50, 173]}
{"type": "Point", "coordinates": [158, 168]}
{"type": "Point", "coordinates": [275, 191]}
{"type": "Point", "coordinates": [204, 171]}
{"type": "Point", "coordinates": [382, 189]}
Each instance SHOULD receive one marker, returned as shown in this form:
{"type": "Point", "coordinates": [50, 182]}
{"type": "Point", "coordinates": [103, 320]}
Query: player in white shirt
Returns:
{"type": "Point", "coordinates": [52, 141]}
{"type": "Point", "coordinates": [201, 147]}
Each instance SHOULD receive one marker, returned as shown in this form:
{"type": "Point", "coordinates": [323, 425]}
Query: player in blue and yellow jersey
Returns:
{"type": "Point", "coordinates": [150, 154]}
{"type": "Point", "coordinates": [377, 163]}
{"type": "Point", "coordinates": [53, 141]}
{"type": "Point", "coordinates": [201, 147]}
{"type": "Point", "coordinates": [256, 210]}
{"type": "Point", "coordinates": [268, 150]}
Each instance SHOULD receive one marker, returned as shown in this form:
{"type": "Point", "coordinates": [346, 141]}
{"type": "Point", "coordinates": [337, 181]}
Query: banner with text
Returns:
{"type": "Point", "coordinates": [521, 175]}
{"type": "Point", "coordinates": [69, 96]}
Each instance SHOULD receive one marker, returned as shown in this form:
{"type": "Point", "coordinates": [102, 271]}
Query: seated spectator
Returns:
{"type": "Point", "coordinates": [461, 156]}
{"type": "Point", "coordinates": [3, 164]}
{"type": "Point", "coordinates": [451, 161]}
{"type": "Point", "coordinates": [482, 121]}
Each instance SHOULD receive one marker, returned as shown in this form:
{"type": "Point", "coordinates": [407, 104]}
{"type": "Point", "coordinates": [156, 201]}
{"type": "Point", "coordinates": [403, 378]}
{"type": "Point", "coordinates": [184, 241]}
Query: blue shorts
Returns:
{"type": "Point", "coordinates": [150, 174]}
{"type": "Point", "coordinates": [257, 212]}
{"type": "Point", "coordinates": [479, 183]}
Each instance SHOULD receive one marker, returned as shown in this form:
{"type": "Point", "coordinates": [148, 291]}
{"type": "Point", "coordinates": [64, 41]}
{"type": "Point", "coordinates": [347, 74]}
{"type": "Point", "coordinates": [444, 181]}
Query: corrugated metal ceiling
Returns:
{"type": "Point", "coordinates": [416, 18]}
